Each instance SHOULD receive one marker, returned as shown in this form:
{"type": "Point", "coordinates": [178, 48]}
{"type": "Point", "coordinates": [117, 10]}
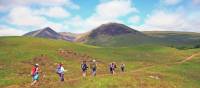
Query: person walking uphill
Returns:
{"type": "Point", "coordinates": [60, 71]}
{"type": "Point", "coordinates": [35, 74]}
{"type": "Point", "coordinates": [112, 67]}
{"type": "Point", "coordinates": [93, 67]}
{"type": "Point", "coordinates": [122, 67]}
{"type": "Point", "coordinates": [84, 68]}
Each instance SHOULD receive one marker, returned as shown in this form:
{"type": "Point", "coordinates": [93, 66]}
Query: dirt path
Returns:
{"type": "Point", "coordinates": [188, 58]}
{"type": "Point", "coordinates": [71, 80]}
{"type": "Point", "coordinates": [109, 74]}
{"type": "Point", "coordinates": [140, 69]}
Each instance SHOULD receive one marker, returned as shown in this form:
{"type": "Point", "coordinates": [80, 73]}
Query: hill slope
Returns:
{"type": "Point", "coordinates": [146, 66]}
{"type": "Point", "coordinates": [119, 35]}
{"type": "Point", "coordinates": [176, 39]}
{"type": "Point", "coordinates": [114, 34]}
{"type": "Point", "coordinates": [112, 29]}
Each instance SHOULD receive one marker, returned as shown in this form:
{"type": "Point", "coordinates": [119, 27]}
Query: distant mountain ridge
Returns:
{"type": "Point", "coordinates": [120, 35]}
{"type": "Point", "coordinates": [47, 32]}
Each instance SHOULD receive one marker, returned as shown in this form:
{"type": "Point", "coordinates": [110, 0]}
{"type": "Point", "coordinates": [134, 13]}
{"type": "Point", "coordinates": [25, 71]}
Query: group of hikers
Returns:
{"type": "Point", "coordinates": [84, 67]}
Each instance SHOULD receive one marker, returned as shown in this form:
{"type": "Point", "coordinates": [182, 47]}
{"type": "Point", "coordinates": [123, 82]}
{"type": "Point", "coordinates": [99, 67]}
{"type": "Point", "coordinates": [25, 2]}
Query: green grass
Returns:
{"type": "Point", "coordinates": [179, 40]}
{"type": "Point", "coordinates": [17, 56]}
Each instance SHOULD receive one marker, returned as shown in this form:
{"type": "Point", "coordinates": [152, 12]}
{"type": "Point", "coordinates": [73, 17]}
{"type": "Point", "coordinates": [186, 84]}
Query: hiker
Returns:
{"type": "Point", "coordinates": [35, 73]}
{"type": "Point", "coordinates": [122, 67]}
{"type": "Point", "coordinates": [60, 71]}
{"type": "Point", "coordinates": [112, 67]}
{"type": "Point", "coordinates": [84, 68]}
{"type": "Point", "coordinates": [93, 66]}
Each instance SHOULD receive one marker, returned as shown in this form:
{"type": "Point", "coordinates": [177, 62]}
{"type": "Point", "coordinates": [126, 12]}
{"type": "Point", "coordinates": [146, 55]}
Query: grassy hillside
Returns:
{"type": "Point", "coordinates": [147, 66]}
{"type": "Point", "coordinates": [120, 40]}
{"type": "Point", "coordinates": [181, 40]}
{"type": "Point", "coordinates": [176, 39]}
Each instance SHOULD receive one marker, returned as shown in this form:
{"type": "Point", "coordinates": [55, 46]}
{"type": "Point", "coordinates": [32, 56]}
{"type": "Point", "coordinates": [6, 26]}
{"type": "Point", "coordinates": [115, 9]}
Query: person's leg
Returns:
{"type": "Point", "coordinates": [62, 77]}
{"type": "Point", "coordinates": [59, 76]}
{"type": "Point", "coordinates": [84, 73]}
{"type": "Point", "coordinates": [35, 79]}
{"type": "Point", "coordinates": [33, 83]}
{"type": "Point", "coordinates": [111, 70]}
{"type": "Point", "coordinates": [122, 69]}
{"type": "Point", "coordinates": [93, 72]}
{"type": "Point", "coordinates": [32, 78]}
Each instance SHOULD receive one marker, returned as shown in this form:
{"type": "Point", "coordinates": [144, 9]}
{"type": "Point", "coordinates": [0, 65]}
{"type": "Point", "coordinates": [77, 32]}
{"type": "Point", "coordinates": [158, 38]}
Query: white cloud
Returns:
{"type": "Point", "coordinates": [171, 21]}
{"type": "Point", "coordinates": [161, 18]}
{"type": "Point", "coordinates": [67, 3]}
{"type": "Point", "coordinates": [171, 2]}
{"type": "Point", "coordinates": [105, 12]}
{"type": "Point", "coordinates": [7, 31]}
{"type": "Point", "coordinates": [78, 25]}
{"type": "Point", "coordinates": [196, 1]}
{"type": "Point", "coordinates": [26, 18]}
{"type": "Point", "coordinates": [134, 19]}
{"type": "Point", "coordinates": [23, 16]}
{"type": "Point", "coordinates": [5, 5]}
{"type": "Point", "coordinates": [57, 12]}
{"type": "Point", "coordinates": [96, 20]}
{"type": "Point", "coordinates": [115, 8]}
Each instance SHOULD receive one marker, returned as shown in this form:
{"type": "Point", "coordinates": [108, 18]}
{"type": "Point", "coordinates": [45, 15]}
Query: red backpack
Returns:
{"type": "Point", "coordinates": [33, 70]}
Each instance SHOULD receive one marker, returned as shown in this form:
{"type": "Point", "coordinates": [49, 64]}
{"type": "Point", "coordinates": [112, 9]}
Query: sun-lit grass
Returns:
{"type": "Point", "coordinates": [17, 56]}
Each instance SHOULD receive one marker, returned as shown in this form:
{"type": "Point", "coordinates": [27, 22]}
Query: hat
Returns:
{"type": "Point", "coordinates": [36, 64]}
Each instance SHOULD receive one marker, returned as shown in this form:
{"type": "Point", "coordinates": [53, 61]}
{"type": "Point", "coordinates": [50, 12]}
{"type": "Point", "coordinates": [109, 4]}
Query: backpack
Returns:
{"type": "Point", "coordinates": [84, 66]}
{"type": "Point", "coordinates": [58, 69]}
{"type": "Point", "coordinates": [33, 70]}
{"type": "Point", "coordinates": [111, 66]}
{"type": "Point", "coordinates": [93, 65]}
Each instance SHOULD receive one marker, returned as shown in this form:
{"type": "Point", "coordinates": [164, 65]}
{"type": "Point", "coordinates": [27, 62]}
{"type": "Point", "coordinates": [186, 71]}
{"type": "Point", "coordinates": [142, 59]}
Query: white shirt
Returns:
{"type": "Point", "coordinates": [61, 70]}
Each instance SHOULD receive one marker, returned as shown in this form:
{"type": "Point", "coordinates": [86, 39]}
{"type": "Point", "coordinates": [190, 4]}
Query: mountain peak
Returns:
{"type": "Point", "coordinates": [46, 32]}
{"type": "Point", "coordinates": [111, 23]}
{"type": "Point", "coordinates": [47, 29]}
{"type": "Point", "coordinates": [112, 29]}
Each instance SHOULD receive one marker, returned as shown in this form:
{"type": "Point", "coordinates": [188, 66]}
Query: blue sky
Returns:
{"type": "Point", "coordinates": [78, 16]}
